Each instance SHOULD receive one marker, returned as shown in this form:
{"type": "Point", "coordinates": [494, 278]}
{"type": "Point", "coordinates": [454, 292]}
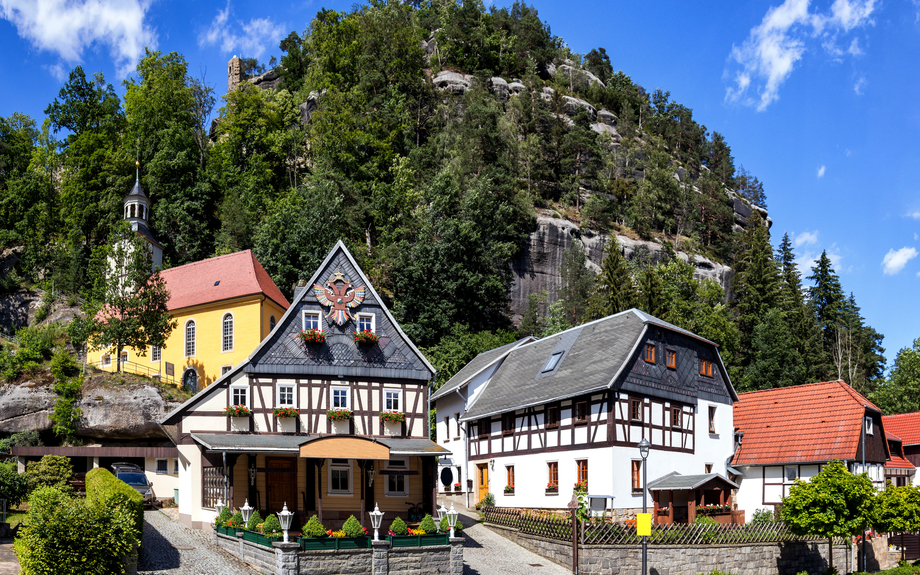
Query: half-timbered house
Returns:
{"type": "Point", "coordinates": [312, 435]}
{"type": "Point", "coordinates": [537, 417]}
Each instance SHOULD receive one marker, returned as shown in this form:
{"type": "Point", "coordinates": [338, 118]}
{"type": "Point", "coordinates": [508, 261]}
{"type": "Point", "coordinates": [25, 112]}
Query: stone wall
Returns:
{"type": "Point", "coordinates": [341, 562]}
{"type": "Point", "coordinates": [785, 558]}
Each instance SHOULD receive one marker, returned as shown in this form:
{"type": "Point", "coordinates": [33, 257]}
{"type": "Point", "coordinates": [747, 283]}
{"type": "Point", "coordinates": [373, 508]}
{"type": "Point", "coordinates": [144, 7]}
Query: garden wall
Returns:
{"type": "Point", "coordinates": [785, 558]}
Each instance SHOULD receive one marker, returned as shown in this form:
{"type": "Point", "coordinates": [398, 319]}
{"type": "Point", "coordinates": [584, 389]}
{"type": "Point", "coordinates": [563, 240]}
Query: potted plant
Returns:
{"type": "Point", "coordinates": [285, 412]}
{"type": "Point", "coordinates": [313, 536]}
{"type": "Point", "coordinates": [237, 411]}
{"type": "Point", "coordinates": [509, 490]}
{"type": "Point", "coordinates": [552, 487]}
{"type": "Point", "coordinates": [458, 486]}
{"type": "Point", "coordinates": [351, 536]}
{"type": "Point", "coordinates": [312, 336]}
{"type": "Point", "coordinates": [663, 510]}
{"type": "Point", "coordinates": [392, 416]}
{"type": "Point", "coordinates": [581, 486]}
{"type": "Point", "coordinates": [338, 414]}
{"type": "Point", "coordinates": [366, 337]}
{"type": "Point", "coordinates": [427, 534]}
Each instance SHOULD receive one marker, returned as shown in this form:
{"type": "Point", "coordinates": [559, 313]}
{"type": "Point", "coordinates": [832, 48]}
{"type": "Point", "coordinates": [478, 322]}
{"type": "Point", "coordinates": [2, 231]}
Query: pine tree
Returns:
{"type": "Point", "coordinates": [774, 361]}
{"type": "Point", "coordinates": [791, 300]}
{"type": "Point", "coordinates": [577, 283]}
{"type": "Point", "coordinates": [826, 304]}
{"type": "Point", "coordinates": [615, 291]}
{"type": "Point", "coordinates": [756, 282]}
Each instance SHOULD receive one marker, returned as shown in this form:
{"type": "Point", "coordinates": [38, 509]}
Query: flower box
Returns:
{"type": "Point", "coordinates": [285, 412]}
{"type": "Point", "coordinates": [581, 486]}
{"type": "Point", "coordinates": [312, 336]}
{"type": "Point", "coordinates": [258, 538]}
{"type": "Point", "coordinates": [338, 414]}
{"type": "Point", "coordinates": [458, 487]}
{"type": "Point", "coordinates": [237, 411]}
{"type": "Point", "coordinates": [392, 416]}
{"type": "Point", "coordinates": [552, 489]}
{"type": "Point", "coordinates": [319, 543]}
{"type": "Point", "coordinates": [419, 540]}
{"type": "Point", "coordinates": [231, 531]}
{"type": "Point", "coordinates": [365, 337]}
{"type": "Point", "coordinates": [509, 490]}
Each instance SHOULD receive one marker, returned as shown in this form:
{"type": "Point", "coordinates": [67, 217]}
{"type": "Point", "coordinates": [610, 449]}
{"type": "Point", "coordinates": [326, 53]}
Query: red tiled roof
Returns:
{"type": "Point", "coordinates": [802, 423]}
{"type": "Point", "coordinates": [890, 436]}
{"type": "Point", "coordinates": [220, 278]}
{"type": "Point", "coordinates": [898, 462]}
{"type": "Point", "coordinates": [905, 425]}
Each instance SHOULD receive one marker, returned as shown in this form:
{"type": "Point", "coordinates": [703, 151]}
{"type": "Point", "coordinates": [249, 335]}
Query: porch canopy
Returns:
{"type": "Point", "coordinates": [683, 494]}
{"type": "Point", "coordinates": [676, 482]}
{"type": "Point", "coordinates": [325, 447]}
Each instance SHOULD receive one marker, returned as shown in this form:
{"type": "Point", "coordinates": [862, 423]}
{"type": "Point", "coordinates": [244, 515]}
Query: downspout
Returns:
{"type": "Point", "coordinates": [224, 454]}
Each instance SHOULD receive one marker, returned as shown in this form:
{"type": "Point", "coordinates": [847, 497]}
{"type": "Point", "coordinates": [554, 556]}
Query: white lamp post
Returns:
{"type": "Point", "coordinates": [220, 507]}
{"type": "Point", "coordinates": [441, 512]}
{"type": "Point", "coordinates": [644, 447]}
{"type": "Point", "coordinates": [285, 518]}
{"type": "Point", "coordinates": [452, 519]}
{"type": "Point", "coordinates": [246, 510]}
{"type": "Point", "coordinates": [376, 520]}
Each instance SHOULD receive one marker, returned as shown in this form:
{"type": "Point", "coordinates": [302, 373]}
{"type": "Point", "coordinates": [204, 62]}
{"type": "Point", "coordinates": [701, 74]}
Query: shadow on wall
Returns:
{"type": "Point", "coordinates": [812, 557]}
{"type": "Point", "coordinates": [194, 377]}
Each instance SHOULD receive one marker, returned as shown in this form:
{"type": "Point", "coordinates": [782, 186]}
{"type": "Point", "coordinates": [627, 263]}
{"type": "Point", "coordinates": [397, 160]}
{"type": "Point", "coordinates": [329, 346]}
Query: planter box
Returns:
{"type": "Point", "coordinates": [458, 489]}
{"type": "Point", "coordinates": [258, 538]}
{"type": "Point", "coordinates": [320, 543]}
{"type": "Point", "coordinates": [231, 531]}
{"type": "Point", "coordinates": [509, 492]}
{"type": "Point", "coordinates": [418, 540]}
{"type": "Point", "coordinates": [552, 492]}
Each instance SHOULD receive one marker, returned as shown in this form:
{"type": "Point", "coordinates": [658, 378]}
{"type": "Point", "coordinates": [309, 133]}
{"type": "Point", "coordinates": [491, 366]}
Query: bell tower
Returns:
{"type": "Point", "coordinates": [137, 212]}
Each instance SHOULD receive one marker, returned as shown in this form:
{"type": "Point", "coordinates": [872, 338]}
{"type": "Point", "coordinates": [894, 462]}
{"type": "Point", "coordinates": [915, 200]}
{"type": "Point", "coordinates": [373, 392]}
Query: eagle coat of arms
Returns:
{"type": "Point", "coordinates": [339, 295]}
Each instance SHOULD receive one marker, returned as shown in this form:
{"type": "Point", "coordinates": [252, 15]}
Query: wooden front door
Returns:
{"type": "Point", "coordinates": [483, 480]}
{"type": "Point", "coordinates": [281, 479]}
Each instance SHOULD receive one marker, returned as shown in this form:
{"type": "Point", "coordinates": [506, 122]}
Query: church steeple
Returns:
{"type": "Point", "coordinates": [137, 211]}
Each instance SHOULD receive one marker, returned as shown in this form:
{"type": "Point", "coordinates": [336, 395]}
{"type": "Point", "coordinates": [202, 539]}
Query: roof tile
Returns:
{"type": "Point", "coordinates": [904, 425]}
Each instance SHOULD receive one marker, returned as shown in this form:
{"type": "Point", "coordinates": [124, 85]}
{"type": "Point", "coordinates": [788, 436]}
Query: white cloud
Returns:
{"type": "Point", "coordinates": [916, 237]}
{"type": "Point", "coordinates": [915, 215]}
{"type": "Point", "coordinates": [770, 53]}
{"type": "Point", "coordinates": [895, 261]}
{"type": "Point", "coordinates": [806, 238]}
{"type": "Point", "coordinates": [252, 38]}
{"type": "Point", "coordinates": [859, 85]}
{"type": "Point", "coordinates": [56, 70]}
{"type": "Point", "coordinates": [68, 27]}
{"type": "Point", "coordinates": [821, 171]}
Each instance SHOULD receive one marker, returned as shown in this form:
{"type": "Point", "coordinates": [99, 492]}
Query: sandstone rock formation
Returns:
{"type": "Point", "coordinates": [452, 82]}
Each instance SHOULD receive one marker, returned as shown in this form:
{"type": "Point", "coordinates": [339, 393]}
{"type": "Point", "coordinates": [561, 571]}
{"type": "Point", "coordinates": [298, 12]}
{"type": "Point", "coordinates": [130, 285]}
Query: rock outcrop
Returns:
{"type": "Point", "coordinates": [452, 82]}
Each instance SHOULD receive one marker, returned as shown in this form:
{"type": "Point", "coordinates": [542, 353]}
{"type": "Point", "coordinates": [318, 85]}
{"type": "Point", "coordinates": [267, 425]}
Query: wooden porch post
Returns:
{"type": "Point", "coordinates": [655, 507]}
{"type": "Point", "coordinates": [319, 489]}
{"type": "Point", "coordinates": [361, 464]}
{"type": "Point", "coordinates": [432, 474]}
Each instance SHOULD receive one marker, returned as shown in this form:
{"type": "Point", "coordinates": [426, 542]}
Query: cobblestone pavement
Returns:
{"type": "Point", "coordinates": [170, 548]}
{"type": "Point", "coordinates": [488, 553]}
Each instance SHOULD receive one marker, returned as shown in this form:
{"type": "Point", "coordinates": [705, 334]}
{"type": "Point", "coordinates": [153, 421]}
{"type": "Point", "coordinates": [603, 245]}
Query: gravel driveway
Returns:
{"type": "Point", "coordinates": [172, 548]}
{"type": "Point", "coordinates": [488, 553]}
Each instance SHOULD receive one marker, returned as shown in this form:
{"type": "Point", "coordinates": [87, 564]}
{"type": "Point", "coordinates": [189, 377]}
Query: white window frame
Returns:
{"type": "Point", "coordinates": [869, 426]}
{"type": "Point", "coordinates": [123, 359]}
{"type": "Point", "coordinates": [156, 353]}
{"type": "Point", "coordinates": [360, 316]}
{"type": "Point", "coordinates": [185, 341]}
{"type": "Point", "coordinates": [106, 360]}
{"type": "Point", "coordinates": [278, 387]}
{"type": "Point", "coordinates": [399, 400]}
{"type": "Point", "coordinates": [225, 368]}
{"type": "Point", "coordinates": [386, 486]}
{"type": "Point", "coordinates": [351, 478]}
{"type": "Point", "coordinates": [245, 390]}
{"type": "Point", "coordinates": [457, 419]}
{"type": "Point", "coordinates": [156, 466]}
{"type": "Point", "coordinates": [317, 315]}
{"type": "Point", "coordinates": [332, 391]}
{"type": "Point", "coordinates": [223, 336]}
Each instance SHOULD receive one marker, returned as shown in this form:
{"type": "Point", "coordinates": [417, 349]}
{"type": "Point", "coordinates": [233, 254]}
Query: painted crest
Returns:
{"type": "Point", "coordinates": [339, 296]}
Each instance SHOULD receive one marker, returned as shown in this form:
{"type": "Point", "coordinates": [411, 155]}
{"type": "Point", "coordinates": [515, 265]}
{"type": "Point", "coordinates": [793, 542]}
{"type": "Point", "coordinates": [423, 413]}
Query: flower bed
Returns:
{"type": "Point", "coordinates": [312, 336]}
{"type": "Point", "coordinates": [256, 537]}
{"type": "Point", "coordinates": [713, 509]}
{"type": "Point", "coordinates": [231, 531]}
{"type": "Point", "coordinates": [338, 414]}
{"type": "Point", "coordinates": [419, 540]}
{"type": "Point", "coordinates": [315, 543]}
{"type": "Point", "coordinates": [237, 411]}
{"type": "Point", "coordinates": [285, 412]}
{"type": "Point", "coordinates": [365, 337]}
{"type": "Point", "coordinates": [392, 416]}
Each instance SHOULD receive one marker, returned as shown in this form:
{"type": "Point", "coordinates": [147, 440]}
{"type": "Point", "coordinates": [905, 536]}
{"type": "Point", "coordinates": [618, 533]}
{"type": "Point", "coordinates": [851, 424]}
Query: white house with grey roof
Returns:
{"type": "Point", "coordinates": [528, 421]}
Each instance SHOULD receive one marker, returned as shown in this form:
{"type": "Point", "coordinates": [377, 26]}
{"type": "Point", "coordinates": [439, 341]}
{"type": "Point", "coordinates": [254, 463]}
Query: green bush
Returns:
{"type": "Point", "coordinates": [50, 471]}
{"type": "Point", "coordinates": [488, 500]}
{"type": "Point", "coordinates": [427, 525]}
{"type": "Point", "coordinates": [223, 519]}
{"type": "Point", "coordinates": [254, 520]}
{"type": "Point", "coordinates": [445, 527]}
{"type": "Point", "coordinates": [353, 528]}
{"type": "Point", "coordinates": [272, 527]}
{"type": "Point", "coordinates": [67, 536]}
{"type": "Point", "coordinates": [313, 528]}
{"type": "Point", "coordinates": [236, 521]}
{"type": "Point", "coordinates": [106, 489]}
{"type": "Point", "coordinates": [704, 520]}
{"type": "Point", "coordinates": [399, 527]}
{"type": "Point", "coordinates": [29, 438]}
{"type": "Point", "coordinates": [64, 366]}
{"type": "Point", "coordinates": [762, 516]}
{"type": "Point", "coordinates": [13, 486]}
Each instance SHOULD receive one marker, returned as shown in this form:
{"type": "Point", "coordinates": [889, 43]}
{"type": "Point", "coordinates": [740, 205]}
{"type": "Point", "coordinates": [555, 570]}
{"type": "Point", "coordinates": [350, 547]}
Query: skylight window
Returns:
{"type": "Point", "coordinates": [552, 362]}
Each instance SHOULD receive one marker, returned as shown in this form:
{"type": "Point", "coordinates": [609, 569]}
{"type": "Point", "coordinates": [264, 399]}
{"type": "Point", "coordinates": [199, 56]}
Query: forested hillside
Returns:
{"type": "Point", "coordinates": [434, 185]}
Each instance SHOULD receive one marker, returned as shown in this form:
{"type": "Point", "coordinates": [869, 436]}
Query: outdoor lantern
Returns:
{"type": "Point", "coordinates": [246, 510]}
{"type": "Point", "coordinates": [452, 519]}
{"type": "Point", "coordinates": [220, 507]}
{"type": "Point", "coordinates": [442, 511]}
{"type": "Point", "coordinates": [376, 520]}
{"type": "Point", "coordinates": [285, 518]}
{"type": "Point", "coordinates": [644, 446]}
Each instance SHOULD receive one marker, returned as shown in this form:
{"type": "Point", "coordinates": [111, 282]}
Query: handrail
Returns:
{"type": "Point", "coordinates": [137, 369]}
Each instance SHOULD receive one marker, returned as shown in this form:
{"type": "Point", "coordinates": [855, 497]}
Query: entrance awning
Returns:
{"type": "Point", "coordinates": [676, 482]}
{"type": "Point", "coordinates": [328, 446]}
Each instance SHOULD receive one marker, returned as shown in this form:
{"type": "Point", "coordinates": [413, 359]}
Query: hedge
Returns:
{"type": "Point", "coordinates": [104, 487]}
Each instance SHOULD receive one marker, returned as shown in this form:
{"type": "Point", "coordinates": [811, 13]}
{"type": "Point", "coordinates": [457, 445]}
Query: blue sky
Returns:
{"type": "Point", "coordinates": [817, 99]}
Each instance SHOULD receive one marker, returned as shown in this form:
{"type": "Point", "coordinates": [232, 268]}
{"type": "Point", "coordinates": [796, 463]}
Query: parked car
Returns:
{"type": "Point", "coordinates": [134, 476]}
{"type": "Point", "coordinates": [122, 466]}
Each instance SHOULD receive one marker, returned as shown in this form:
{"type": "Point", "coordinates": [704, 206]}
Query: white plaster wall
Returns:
{"type": "Point", "coordinates": [714, 448]}
{"type": "Point", "coordinates": [163, 485]}
{"type": "Point", "coordinates": [450, 405]}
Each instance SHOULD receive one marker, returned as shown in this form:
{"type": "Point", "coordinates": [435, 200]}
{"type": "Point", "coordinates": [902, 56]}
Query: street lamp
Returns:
{"type": "Point", "coordinates": [452, 519]}
{"type": "Point", "coordinates": [246, 510]}
{"type": "Point", "coordinates": [441, 512]}
{"type": "Point", "coordinates": [220, 507]}
{"type": "Point", "coordinates": [285, 518]}
{"type": "Point", "coordinates": [644, 447]}
{"type": "Point", "coordinates": [376, 520]}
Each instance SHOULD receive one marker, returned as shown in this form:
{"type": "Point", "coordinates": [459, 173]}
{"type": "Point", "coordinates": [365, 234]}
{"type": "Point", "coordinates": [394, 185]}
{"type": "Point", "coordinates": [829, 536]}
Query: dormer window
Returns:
{"type": "Point", "coordinates": [868, 426]}
{"type": "Point", "coordinates": [311, 321]}
{"type": "Point", "coordinates": [366, 322]}
{"type": "Point", "coordinates": [552, 362]}
{"type": "Point", "coordinates": [650, 352]}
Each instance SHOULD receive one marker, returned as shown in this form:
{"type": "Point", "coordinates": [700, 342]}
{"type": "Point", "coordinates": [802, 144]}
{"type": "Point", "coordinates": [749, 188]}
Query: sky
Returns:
{"type": "Point", "coordinates": [817, 99]}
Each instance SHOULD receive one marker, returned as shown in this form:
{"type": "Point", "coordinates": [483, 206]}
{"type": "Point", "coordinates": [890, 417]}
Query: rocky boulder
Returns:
{"type": "Point", "coordinates": [269, 80]}
{"type": "Point", "coordinates": [452, 82]}
{"type": "Point", "coordinates": [602, 128]}
{"type": "Point", "coordinates": [570, 105]}
{"type": "Point", "coordinates": [516, 87]}
{"type": "Point", "coordinates": [578, 76]}
{"type": "Point", "coordinates": [499, 87]}
{"type": "Point", "coordinates": [308, 107]}
{"type": "Point", "coordinates": [607, 117]}
{"type": "Point", "coordinates": [27, 405]}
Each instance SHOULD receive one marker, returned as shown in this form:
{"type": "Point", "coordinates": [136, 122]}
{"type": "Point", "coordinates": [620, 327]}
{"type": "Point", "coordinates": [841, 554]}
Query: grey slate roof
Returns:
{"type": "Point", "coordinates": [650, 319]}
{"type": "Point", "coordinates": [479, 363]}
{"type": "Point", "coordinates": [676, 481]}
{"type": "Point", "coordinates": [291, 443]}
{"type": "Point", "coordinates": [593, 354]}
{"type": "Point", "coordinates": [136, 191]}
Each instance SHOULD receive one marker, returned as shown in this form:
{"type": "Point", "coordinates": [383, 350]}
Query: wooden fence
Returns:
{"type": "Point", "coordinates": [558, 527]}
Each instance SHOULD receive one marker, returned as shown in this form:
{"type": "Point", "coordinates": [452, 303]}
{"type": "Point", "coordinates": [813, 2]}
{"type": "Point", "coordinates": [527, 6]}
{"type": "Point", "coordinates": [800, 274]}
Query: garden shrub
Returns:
{"type": "Point", "coordinates": [13, 486]}
{"type": "Point", "coordinates": [223, 519]}
{"type": "Point", "coordinates": [29, 438]}
{"type": "Point", "coordinates": [427, 525]}
{"type": "Point", "coordinates": [254, 520]}
{"type": "Point", "coordinates": [399, 527]}
{"type": "Point", "coordinates": [488, 500]}
{"type": "Point", "coordinates": [445, 528]}
{"type": "Point", "coordinates": [67, 536]}
{"type": "Point", "coordinates": [762, 516]}
{"type": "Point", "coordinates": [313, 528]}
{"type": "Point", "coordinates": [272, 526]}
{"type": "Point", "coordinates": [353, 528]}
{"type": "Point", "coordinates": [106, 489]}
{"type": "Point", "coordinates": [50, 471]}
{"type": "Point", "coordinates": [236, 521]}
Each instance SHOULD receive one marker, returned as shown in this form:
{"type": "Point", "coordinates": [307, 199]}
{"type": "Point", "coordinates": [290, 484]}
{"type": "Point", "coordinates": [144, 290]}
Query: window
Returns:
{"type": "Point", "coordinates": [190, 338]}
{"type": "Point", "coordinates": [670, 357]}
{"type": "Point", "coordinates": [392, 401]}
{"type": "Point", "coordinates": [340, 398]}
{"type": "Point", "coordinates": [271, 322]}
{"type": "Point", "coordinates": [176, 466]}
{"type": "Point", "coordinates": [635, 409]}
{"type": "Point", "coordinates": [552, 417]}
{"type": "Point", "coordinates": [189, 379]}
{"type": "Point", "coordinates": [868, 426]}
{"type": "Point", "coordinates": [106, 360]}
{"type": "Point", "coordinates": [366, 322]}
{"type": "Point", "coordinates": [225, 368]}
{"type": "Point", "coordinates": [705, 367]}
{"type": "Point", "coordinates": [552, 362]}
{"type": "Point", "coordinates": [552, 478]}
{"type": "Point", "coordinates": [707, 468]}
{"type": "Point", "coordinates": [507, 424]}
{"type": "Point", "coordinates": [792, 473]}
{"type": "Point", "coordinates": [457, 419]}
{"type": "Point", "coordinates": [227, 338]}
{"type": "Point", "coordinates": [581, 412]}
{"type": "Point", "coordinates": [582, 471]}
{"type": "Point", "coordinates": [340, 477]}
{"type": "Point", "coordinates": [446, 428]}
{"type": "Point", "coordinates": [397, 478]}
{"type": "Point", "coordinates": [285, 395]}
{"type": "Point", "coordinates": [650, 352]}
{"type": "Point", "coordinates": [676, 417]}
{"type": "Point", "coordinates": [485, 427]}
{"type": "Point", "coordinates": [212, 486]}
{"type": "Point", "coordinates": [311, 321]}
{"type": "Point", "coordinates": [239, 396]}
{"type": "Point", "coordinates": [712, 419]}
{"type": "Point", "coordinates": [509, 472]}
{"type": "Point", "coordinates": [162, 466]}
{"type": "Point", "coordinates": [155, 353]}
{"type": "Point", "coordinates": [124, 358]}
{"type": "Point", "coordinates": [636, 472]}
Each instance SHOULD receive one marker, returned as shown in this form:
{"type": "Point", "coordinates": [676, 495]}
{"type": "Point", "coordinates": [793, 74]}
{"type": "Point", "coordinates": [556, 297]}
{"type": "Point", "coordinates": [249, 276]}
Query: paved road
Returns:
{"type": "Point", "coordinates": [171, 548]}
{"type": "Point", "coordinates": [488, 553]}
{"type": "Point", "coordinates": [9, 564]}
